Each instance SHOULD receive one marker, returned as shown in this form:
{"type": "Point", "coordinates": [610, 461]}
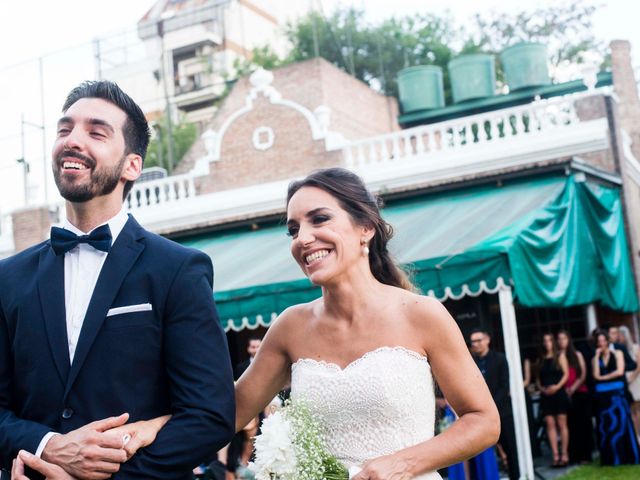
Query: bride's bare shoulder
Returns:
{"type": "Point", "coordinates": [425, 311]}
{"type": "Point", "coordinates": [296, 317]}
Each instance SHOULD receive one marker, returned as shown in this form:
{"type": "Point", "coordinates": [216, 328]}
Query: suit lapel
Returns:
{"type": "Point", "coordinates": [123, 254]}
{"type": "Point", "coordinates": [52, 300]}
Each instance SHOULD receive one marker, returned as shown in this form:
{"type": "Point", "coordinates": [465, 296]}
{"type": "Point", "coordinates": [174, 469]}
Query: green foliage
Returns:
{"type": "Point", "coordinates": [184, 134]}
{"type": "Point", "coordinates": [264, 57]}
{"type": "Point", "coordinates": [376, 53]}
{"type": "Point", "coordinates": [566, 29]}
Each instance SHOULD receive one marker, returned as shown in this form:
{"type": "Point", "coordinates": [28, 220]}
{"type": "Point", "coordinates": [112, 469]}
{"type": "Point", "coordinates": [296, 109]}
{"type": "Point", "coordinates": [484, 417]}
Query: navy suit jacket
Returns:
{"type": "Point", "coordinates": [170, 359]}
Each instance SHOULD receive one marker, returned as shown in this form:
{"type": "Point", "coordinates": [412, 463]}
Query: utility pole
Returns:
{"type": "Point", "coordinates": [314, 28]}
{"type": "Point", "coordinates": [45, 164]}
{"type": "Point", "coordinates": [159, 140]}
{"type": "Point", "coordinates": [96, 44]}
{"type": "Point", "coordinates": [23, 160]}
{"type": "Point", "coordinates": [25, 165]}
{"type": "Point", "coordinates": [166, 98]}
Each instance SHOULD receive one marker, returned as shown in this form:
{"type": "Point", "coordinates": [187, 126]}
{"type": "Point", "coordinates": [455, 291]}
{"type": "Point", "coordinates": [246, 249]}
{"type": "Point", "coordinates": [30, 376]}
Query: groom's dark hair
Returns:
{"type": "Point", "coordinates": [135, 129]}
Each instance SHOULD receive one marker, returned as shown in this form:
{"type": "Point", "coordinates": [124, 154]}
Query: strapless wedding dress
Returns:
{"type": "Point", "coordinates": [378, 404]}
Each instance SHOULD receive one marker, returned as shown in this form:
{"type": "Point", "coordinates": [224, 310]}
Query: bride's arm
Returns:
{"type": "Point", "coordinates": [267, 374]}
{"type": "Point", "coordinates": [462, 384]}
{"type": "Point", "coordinates": [140, 434]}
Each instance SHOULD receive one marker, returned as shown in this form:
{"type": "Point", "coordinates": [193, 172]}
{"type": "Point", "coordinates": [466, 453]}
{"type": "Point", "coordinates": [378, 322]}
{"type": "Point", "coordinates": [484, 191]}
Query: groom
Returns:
{"type": "Point", "coordinates": [106, 318]}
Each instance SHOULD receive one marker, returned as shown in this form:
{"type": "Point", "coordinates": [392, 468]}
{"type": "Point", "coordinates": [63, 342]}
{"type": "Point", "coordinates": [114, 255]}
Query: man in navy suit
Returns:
{"type": "Point", "coordinates": [106, 318]}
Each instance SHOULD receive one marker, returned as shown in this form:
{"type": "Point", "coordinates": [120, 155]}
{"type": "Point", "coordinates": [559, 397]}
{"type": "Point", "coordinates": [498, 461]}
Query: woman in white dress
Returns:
{"type": "Point", "coordinates": [363, 353]}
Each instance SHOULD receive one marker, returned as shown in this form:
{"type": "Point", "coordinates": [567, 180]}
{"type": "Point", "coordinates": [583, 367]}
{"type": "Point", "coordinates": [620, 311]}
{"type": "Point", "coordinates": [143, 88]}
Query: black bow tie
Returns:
{"type": "Point", "coordinates": [64, 240]}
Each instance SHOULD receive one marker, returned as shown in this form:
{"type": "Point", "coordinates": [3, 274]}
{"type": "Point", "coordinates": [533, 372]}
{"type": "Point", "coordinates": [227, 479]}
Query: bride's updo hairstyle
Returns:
{"type": "Point", "coordinates": [363, 208]}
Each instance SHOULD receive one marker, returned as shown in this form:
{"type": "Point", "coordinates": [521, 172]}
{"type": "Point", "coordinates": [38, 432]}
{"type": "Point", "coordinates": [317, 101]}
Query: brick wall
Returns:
{"type": "Point", "coordinates": [356, 112]}
{"type": "Point", "coordinates": [30, 226]}
{"type": "Point", "coordinates": [294, 152]}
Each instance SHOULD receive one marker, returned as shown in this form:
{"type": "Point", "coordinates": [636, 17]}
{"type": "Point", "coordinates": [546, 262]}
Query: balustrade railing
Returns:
{"type": "Point", "coordinates": [161, 191]}
{"type": "Point", "coordinates": [490, 127]}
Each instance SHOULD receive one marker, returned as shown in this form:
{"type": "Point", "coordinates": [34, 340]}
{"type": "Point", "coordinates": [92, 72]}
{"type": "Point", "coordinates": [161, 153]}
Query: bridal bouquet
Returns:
{"type": "Point", "coordinates": [291, 447]}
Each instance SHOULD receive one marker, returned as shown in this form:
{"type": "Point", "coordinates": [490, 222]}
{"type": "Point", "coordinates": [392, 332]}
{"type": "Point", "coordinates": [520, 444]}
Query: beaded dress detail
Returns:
{"type": "Point", "coordinates": [378, 404]}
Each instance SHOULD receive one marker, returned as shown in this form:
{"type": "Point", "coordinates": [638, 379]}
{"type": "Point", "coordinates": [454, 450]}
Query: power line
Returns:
{"type": "Point", "coordinates": [67, 48]}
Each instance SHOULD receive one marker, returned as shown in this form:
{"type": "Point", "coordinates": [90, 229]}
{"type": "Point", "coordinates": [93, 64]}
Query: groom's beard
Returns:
{"type": "Point", "coordinates": [101, 181]}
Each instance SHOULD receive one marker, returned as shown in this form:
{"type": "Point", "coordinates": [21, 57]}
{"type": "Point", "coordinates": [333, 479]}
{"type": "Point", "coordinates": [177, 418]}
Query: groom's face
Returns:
{"type": "Point", "coordinates": [89, 153]}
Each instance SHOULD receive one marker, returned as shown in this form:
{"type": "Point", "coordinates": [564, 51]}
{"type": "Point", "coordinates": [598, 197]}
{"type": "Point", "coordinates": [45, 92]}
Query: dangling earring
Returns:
{"type": "Point", "coordinates": [365, 248]}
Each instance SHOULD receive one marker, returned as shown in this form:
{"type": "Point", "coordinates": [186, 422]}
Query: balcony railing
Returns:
{"type": "Point", "coordinates": [162, 191]}
{"type": "Point", "coordinates": [488, 133]}
{"type": "Point", "coordinates": [485, 128]}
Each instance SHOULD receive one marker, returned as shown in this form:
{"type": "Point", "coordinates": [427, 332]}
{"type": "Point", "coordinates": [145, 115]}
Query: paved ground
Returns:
{"type": "Point", "coordinates": [544, 471]}
{"type": "Point", "coordinates": [542, 467]}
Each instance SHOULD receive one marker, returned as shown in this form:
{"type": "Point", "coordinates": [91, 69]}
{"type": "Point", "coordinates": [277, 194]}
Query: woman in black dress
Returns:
{"type": "Point", "coordinates": [553, 372]}
{"type": "Point", "coordinates": [616, 436]}
{"type": "Point", "coordinates": [580, 411]}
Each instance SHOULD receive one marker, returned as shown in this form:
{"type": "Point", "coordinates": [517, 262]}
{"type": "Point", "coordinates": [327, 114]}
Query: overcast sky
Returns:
{"type": "Point", "coordinates": [62, 31]}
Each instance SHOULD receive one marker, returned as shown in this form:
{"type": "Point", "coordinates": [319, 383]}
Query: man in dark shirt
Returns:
{"type": "Point", "coordinates": [495, 371]}
{"type": "Point", "coordinates": [253, 345]}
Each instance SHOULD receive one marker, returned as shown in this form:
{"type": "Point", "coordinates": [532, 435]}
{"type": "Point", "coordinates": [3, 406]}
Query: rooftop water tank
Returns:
{"type": "Point", "coordinates": [525, 65]}
{"type": "Point", "coordinates": [420, 88]}
{"type": "Point", "coordinates": [472, 76]}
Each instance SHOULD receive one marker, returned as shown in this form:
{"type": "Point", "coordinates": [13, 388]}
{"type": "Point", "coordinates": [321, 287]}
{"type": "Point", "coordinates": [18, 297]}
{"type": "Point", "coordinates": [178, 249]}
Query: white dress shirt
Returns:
{"type": "Point", "coordinates": [82, 266]}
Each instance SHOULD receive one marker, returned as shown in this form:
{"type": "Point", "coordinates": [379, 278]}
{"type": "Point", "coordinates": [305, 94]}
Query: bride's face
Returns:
{"type": "Point", "coordinates": [325, 240]}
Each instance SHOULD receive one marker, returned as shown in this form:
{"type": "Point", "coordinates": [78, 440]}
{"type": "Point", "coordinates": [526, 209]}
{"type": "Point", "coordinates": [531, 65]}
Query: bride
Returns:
{"type": "Point", "coordinates": [363, 355]}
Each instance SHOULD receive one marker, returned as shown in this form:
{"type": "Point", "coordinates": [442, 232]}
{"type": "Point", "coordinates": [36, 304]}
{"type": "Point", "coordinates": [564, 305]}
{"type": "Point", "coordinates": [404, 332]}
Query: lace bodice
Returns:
{"type": "Point", "coordinates": [379, 404]}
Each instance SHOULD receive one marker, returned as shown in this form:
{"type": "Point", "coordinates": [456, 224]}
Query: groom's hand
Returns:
{"type": "Point", "coordinates": [89, 452]}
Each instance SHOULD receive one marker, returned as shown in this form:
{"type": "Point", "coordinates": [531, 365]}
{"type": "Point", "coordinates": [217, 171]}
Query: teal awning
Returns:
{"type": "Point", "coordinates": [559, 242]}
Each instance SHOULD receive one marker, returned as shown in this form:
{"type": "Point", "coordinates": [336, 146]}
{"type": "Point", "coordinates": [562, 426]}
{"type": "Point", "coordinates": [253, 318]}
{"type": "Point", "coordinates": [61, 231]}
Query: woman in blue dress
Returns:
{"type": "Point", "coordinates": [616, 436]}
{"type": "Point", "coordinates": [483, 466]}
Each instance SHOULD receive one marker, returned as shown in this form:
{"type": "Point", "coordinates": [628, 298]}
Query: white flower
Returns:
{"type": "Point", "coordinates": [275, 453]}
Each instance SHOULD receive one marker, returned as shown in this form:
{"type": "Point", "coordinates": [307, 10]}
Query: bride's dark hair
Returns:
{"type": "Point", "coordinates": [363, 207]}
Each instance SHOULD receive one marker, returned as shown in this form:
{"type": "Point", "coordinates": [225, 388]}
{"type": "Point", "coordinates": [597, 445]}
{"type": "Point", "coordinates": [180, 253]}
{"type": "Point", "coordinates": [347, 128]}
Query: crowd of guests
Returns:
{"type": "Point", "coordinates": [589, 397]}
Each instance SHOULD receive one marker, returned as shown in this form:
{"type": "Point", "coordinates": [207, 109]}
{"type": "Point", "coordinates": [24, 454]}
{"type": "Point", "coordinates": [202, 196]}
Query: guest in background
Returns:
{"type": "Point", "coordinates": [617, 440]}
{"type": "Point", "coordinates": [253, 345]}
{"type": "Point", "coordinates": [481, 467]}
{"type": "Point", "coordinates": [579, 415]}
{"type": "Point", "coordinates": [633, 377]}
{"type": "Point", "coordinates": [630, 363]}
{"type": "Point", "coordinates": [530, 388]}
{"type": "Point", "coordinates": [553, 372]}
{"type": "Point", "coordinates": [240, 453]}
{"type": "Point", "coordinates": [495, 370]}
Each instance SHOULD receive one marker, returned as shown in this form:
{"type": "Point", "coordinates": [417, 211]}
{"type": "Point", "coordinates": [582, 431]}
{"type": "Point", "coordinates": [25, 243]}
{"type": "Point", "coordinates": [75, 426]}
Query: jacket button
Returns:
{"type": "Point", "coordinates": [67, 413]}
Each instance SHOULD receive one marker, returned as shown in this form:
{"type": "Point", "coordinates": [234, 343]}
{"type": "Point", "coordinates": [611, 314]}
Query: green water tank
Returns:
{"type": "Point", "coordinates": [472, 76]}
{"type": "Point", "coordinates": [525, 65]}
{"type": "Point", "coordinates": [420, 88]}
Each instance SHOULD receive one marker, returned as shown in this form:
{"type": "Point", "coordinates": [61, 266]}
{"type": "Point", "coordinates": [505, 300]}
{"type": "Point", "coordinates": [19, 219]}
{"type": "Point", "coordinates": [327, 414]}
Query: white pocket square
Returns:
{"type": "Point", "coordinates": [141, 307]}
